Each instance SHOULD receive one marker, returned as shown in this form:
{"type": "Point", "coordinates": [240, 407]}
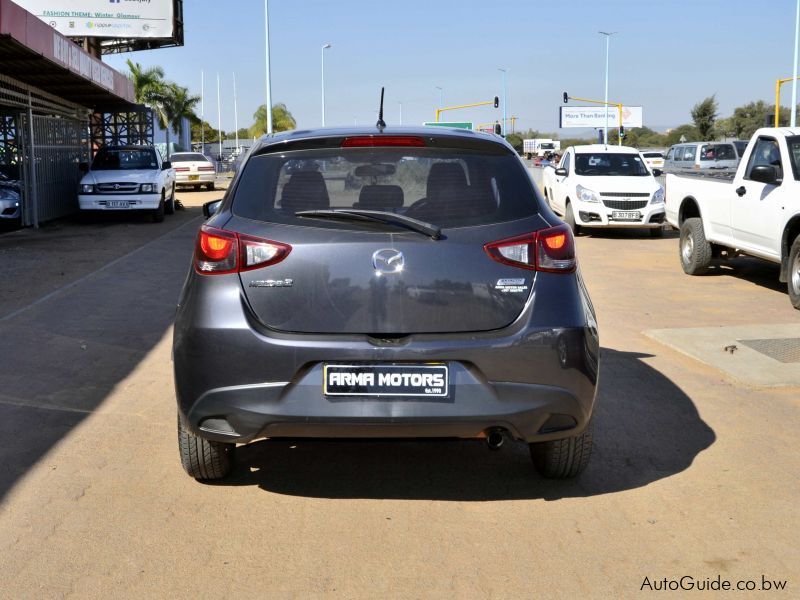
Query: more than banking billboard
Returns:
{"type": "Point", "coordinates": [595, 116]}
{"type": "Point", "coordinates": [127, 19]}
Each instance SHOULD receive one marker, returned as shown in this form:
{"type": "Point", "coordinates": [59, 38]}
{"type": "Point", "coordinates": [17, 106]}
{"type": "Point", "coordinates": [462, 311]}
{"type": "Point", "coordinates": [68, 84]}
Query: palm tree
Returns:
{"type": "Point", "coordinates": [282, 120]}
{"type": "Point", "coordinates": [171, 104]}
{"type": "Point", "coordinates": [146, 82]}
{"type": "Point", "coordinates": [148, 85]}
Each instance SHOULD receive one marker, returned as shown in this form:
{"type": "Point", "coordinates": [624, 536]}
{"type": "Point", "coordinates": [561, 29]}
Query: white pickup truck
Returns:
{"type": "Point", "coordinates": [604, 186]}
{"type": "Point", "coordinates": [757, 213]}
{"type": "Point", "coordinates": [128, 178]}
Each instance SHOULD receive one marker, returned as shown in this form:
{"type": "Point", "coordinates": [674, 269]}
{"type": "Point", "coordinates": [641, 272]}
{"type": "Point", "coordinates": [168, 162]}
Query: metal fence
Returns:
{"type": "Point", "coordinates": [50, 166]}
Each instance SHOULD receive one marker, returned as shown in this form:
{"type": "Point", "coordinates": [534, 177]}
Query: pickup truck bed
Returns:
{"type": "Point", "coordinates": [754, 211]}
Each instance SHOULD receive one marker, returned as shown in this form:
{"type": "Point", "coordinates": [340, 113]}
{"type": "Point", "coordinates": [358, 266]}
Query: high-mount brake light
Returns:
{"type": "Point", "coordinates": [219, 252]}
{"type": "Point", "coordinates": [380, 141]}
{"type": "Point", "coordinates": [551, 250]}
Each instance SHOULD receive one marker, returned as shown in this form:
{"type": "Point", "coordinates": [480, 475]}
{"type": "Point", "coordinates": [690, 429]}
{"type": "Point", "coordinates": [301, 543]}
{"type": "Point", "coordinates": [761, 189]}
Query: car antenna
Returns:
{"type": "Point", "coordinates": [381, 123]}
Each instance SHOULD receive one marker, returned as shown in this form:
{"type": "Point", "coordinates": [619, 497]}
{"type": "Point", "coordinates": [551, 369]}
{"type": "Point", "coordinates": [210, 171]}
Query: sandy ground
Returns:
{"type": "Point", "coordinates": [693, 475]}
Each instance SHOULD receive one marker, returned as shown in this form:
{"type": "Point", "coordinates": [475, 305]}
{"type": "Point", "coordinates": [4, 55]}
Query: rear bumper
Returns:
{"type": "Point", "coordinates": [526, 411]}
{"type": "Point", "coordinates": [202, 178]}
{"type": "Point", "coordinates": [237, 381]}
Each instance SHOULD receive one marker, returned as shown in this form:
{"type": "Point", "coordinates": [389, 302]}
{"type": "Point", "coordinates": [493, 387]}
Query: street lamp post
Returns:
{"type": "Point", "coordinates": [503, 129]}
{"type": "Point", "coordinates": [794, 73]}
{"type": "Point", "coordinates": [322, 54]}
{"type": "Point", "coordinates": [608, 35]}
{"type": "Point", "coordinates": [269, 81]}
{"type": "Point", "coordinates": [401, 112]}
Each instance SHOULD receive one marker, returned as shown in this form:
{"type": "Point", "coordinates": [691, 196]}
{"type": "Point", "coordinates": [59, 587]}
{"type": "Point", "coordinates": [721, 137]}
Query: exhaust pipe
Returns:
{"type": "Point", "coordinates": [495, 439]}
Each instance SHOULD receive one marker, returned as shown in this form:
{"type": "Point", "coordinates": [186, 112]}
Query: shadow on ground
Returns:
{"type": "Point", "coordinates": [647, 429]}
{"type": "Point", "coordinates": [621, 233]}
{"type": "Point", "coordinates": [62, 356]}
{"type": "Point", "coordinates": [759, 272]}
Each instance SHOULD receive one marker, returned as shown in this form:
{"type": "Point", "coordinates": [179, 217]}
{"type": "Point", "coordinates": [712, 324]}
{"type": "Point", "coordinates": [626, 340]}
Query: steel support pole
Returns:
{"type": "Point", "coordinates": [793, 121]}
{"type": "Point", "coordinates": [32, 158]}
{"type": "Point", "coordinates": [269, 81]}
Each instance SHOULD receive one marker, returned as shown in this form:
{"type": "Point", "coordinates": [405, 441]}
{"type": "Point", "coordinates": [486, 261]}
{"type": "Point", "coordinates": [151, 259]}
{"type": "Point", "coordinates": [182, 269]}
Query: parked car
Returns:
{"type": "Point", "coordinates": [653, 160]}
{"type": "Point", "coordinates": [193, 169]}
{"type": "Point", "coordinates": [10, 201]}
{"type": "Point", "coordinates": [132, 178]}
{"type": "Point", "coordinates": [438, 298]}
{"type": "Point", "coordinates": [755, 212]}
{"type": "Point", "coordinates": [605, 186]}
{"type": "Point", "coordinates": [694, 156]}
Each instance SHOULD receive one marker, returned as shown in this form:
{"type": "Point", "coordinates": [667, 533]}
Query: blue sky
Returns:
{"type": "Point", "coordinates": [666, 56]}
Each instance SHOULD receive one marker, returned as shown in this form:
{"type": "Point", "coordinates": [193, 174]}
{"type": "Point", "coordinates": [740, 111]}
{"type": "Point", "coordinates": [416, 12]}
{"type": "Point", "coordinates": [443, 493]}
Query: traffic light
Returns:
{"type": "Point", "coordinates": [497, 129]}
{"type": "Point", "coordinates": [496, 101]}
{"type": "Point", "coordinates": [566, 97]}
{"type": "Point", "coordinates": [621, 132]}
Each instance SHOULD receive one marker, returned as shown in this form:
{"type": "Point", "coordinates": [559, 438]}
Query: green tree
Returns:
{"type": "Point", "coordinates": [171, 104]}
{"type": "Point", "coordinates": [203, 131]}
{"type": "Point", "coordinates": [147, 83]}
{"type": "Point", "coordinates": [282, 120]}
{"type": "Point", "coordinates": [745, 119]}
{"type": "Point", "coordinates": [689, 132]}
{"type": "Point", "coordinates": [704, 113]}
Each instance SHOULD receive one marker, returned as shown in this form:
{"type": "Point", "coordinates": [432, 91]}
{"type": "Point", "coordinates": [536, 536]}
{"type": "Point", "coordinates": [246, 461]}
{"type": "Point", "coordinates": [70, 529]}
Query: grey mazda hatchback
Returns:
{"type": "Point", "coordinates": [384, 283]}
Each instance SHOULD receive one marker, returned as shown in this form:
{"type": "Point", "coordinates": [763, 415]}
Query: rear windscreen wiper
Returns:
{"type": "Point", "coordinates": [380, 216]}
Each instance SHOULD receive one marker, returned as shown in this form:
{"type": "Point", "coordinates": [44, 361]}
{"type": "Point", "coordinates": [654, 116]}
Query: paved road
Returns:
{"type": "Point", "coordinates": [692, 474]}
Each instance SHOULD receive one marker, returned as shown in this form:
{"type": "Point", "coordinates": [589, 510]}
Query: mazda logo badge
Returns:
{"type": "Point", "coordinates": [388, 261]}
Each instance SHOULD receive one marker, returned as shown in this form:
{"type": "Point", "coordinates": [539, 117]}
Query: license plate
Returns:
{"type": "Point", "coordinates": [429, 381]}
{"type": "Point", "coordinates": [118, 204]}
{"type": "Point", "coordinates": [626, 215]}
{"type": "Point", "coordinates": [194, 177]}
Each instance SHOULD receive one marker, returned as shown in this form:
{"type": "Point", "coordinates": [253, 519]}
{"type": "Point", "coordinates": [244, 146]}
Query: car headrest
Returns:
{"type": "Point", "coordinates": [444, 176]}
{"type": "Point", "coordinates": [305, 190]}
{"type": "Point", "coordinates": [380, 197]}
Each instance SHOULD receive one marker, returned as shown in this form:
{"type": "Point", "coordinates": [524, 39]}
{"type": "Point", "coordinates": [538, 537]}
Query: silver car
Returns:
{"type": "Point", "coordinates": [10, 200]}
{"type": "Point", "coordinates": [371, 283]}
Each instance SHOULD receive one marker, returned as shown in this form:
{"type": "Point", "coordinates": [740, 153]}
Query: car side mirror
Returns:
{"type": "Point", "coordinates": [764, 174]}
{"type": "Point", "coordinates": [166, 165]}
{"type": "Point", "coordinates": [561, 172]}
{"type": "Point", "coordinates": [657, 172]}
{"type": "Point", "coordinates": [83, 167]}
{"type": "Point", "coordinates": [211, 208]}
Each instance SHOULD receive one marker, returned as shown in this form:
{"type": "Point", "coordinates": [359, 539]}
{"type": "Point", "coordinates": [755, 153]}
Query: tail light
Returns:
{"type": "Point", "coordinates": [208, 168]}
{"type": "Point", "coordinates": [219, 252]}
{"type": "Point", "coordinates": [181, 169]}
{"type": "Point", "coordinates": [551, 250]}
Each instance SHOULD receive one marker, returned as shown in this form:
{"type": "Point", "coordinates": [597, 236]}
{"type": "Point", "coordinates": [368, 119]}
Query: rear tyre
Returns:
{"type": "Point", "coordinates": [562, 459]}
{"type": "Point", "coordinates": [695, 251]}
{"type": "Point", "coordinates": [158, 213]}
{"type": "Point", "coordinates": [210, 187]}
{"type": "Point", "coordinates": [201, 458]}
{"type": "Point", "coordinates": [169, 208]}
{"type": "Point", "coordinates": [569, 219]}
{"type": "Point", "coordinates": [657, 232]}
{"type": "Point", "coordinates": [794, 273]}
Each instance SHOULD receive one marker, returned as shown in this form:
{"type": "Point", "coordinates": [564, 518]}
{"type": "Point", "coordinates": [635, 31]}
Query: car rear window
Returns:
{"type": "Point", "coordinates": [652, 155]}
{"type": "Point", "coordinates": [608, 163]}
{"type": "Point", "coordinates": [444, 187]}
{"type": "Point", "coordinates": [188, 157]}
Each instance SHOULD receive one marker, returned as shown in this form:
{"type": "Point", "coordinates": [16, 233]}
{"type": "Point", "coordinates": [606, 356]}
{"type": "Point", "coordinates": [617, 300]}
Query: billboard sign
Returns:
{"type": "Point", "coordinates": [126, 19]}
{"type": "Point", "coordinates": [595, 116]}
